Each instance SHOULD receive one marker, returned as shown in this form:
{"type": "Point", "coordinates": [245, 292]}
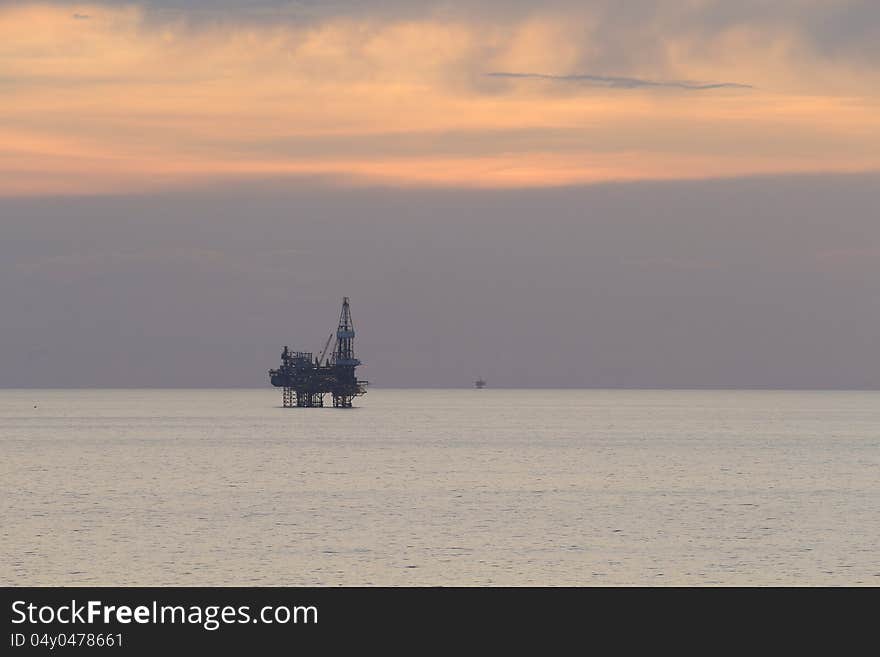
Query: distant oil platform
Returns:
{"type": "Point", "coordinates": [305, 380]}
{"type": "Point", "coordinates": [479, 384]}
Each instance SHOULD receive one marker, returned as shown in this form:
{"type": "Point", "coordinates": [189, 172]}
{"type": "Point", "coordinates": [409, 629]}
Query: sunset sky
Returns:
{"type": "Point", "coordinates": [104, 98]}
{"type": "Point", "coordinates": [598, 193]}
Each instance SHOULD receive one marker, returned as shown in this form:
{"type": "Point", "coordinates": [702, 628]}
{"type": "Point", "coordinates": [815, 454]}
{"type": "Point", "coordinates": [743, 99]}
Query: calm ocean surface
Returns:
{"type": "Point", "coordinates": [440, 487]}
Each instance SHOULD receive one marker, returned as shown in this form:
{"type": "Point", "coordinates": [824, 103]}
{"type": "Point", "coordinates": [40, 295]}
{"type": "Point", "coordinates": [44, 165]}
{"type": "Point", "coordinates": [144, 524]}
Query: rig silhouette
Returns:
{"type": "Point", "coordinates": [306, 379]}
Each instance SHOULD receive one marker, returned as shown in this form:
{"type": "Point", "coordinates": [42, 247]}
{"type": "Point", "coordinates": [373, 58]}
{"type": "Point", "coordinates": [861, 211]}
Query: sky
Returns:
{"type": "Point", "coordinates": [668, 193]}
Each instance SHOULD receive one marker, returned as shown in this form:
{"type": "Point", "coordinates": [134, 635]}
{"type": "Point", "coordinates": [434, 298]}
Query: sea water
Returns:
{"type": "Point", "coordinates": [440, 487]}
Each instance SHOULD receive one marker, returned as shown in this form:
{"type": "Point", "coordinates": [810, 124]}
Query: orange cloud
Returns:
{"type": "Point", "coordinates": [121, 102]}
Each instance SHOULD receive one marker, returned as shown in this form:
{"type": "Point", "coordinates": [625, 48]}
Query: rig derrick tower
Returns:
{"type": "Point", "coordinates": [344, 362]}
{"type": "Point", "coordinates": [305, 380]}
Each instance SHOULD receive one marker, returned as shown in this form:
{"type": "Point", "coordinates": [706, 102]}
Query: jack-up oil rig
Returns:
{"type": "Point", "coordinates": [305, 379]}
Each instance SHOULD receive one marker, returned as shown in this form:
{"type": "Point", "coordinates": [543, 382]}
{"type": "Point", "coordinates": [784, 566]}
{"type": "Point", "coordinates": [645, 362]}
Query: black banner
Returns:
{"type": "Point", "coordinates": [147, 620]}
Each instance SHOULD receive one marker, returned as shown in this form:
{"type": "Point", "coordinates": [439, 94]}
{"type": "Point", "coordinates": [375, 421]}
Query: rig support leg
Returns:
{"type": "Point", "coordinates": [306, 399]}
{"type": "Point", "coordinates": [287, 397]}
{"type": "Point", "coordinates": [342, 400]}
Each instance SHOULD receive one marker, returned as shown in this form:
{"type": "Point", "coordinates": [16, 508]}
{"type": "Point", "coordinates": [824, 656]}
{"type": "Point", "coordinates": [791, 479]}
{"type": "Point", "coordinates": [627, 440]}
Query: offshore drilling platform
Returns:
{"type": "Point", "coordinates": [306, 379]}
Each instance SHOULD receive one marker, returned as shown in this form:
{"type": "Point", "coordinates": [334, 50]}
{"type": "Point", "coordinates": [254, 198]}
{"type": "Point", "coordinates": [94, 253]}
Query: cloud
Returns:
{"type": "Point", "coordinates": [143, 96]}
{"type": "Point", "coordinates": [623, 82]}
{"type": "Point", "coordinates": [631, 32]}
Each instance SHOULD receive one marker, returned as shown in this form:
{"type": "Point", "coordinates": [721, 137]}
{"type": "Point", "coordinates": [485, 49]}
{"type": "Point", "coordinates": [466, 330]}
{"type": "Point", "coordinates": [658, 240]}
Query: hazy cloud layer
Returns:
{"type": "Point", "coordinates": [763, 282]}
